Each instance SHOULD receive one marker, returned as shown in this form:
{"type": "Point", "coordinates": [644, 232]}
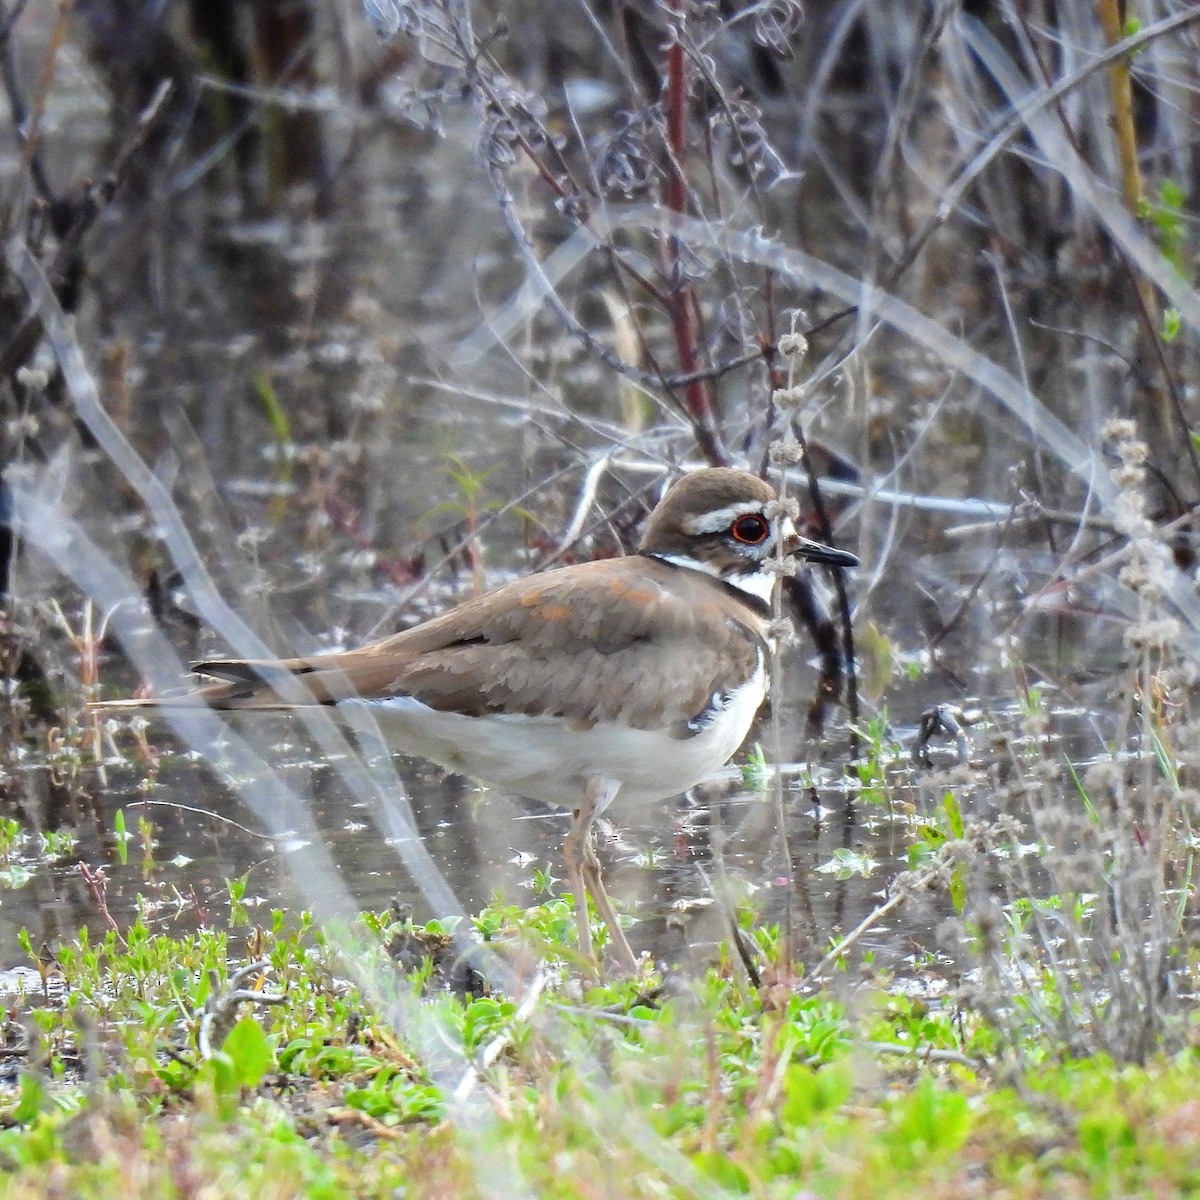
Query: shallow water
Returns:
{"type": "Point", "coordinates": [349, 444]}
{"type": "Point", "coordinates": [678, 866]}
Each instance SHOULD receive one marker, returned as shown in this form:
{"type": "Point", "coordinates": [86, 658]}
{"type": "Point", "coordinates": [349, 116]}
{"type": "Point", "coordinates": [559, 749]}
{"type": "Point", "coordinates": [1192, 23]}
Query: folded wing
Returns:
{"type": "Point", "coordinates": [601, 642]}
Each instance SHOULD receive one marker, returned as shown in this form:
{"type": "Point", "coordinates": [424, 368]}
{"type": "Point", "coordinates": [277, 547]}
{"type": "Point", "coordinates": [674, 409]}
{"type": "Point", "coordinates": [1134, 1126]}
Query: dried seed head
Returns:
{"type": "Point", "coordinates": [627, 166]}
{"type": "Point", "coordinates": [1158, 634]}
{"type": "Point", "coordinates": [749, 145]}
{"type": "Point", "coordinates": [785, 454]}
{"type": "Point", "coordinates": [498, 141]}
{"type": "Point", "coordinates": [390, 17]}
{"type": "Point", "coordinates": [782, 632]}
{"type": "Point", "coordinates": [785, 506]}
{"type": "Point", "coordinates": [793, 345]}
{"type": "Point", "coordinates": [777, 25]}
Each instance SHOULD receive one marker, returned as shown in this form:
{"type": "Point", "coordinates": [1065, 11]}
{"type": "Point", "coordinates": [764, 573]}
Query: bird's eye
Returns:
{"type": "Point", "coordinates": [751, 530]}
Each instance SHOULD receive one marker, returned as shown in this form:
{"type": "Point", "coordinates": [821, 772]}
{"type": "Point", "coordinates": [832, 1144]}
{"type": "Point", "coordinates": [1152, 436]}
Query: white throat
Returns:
{"type": "Point", "coordinates": [759, 584]}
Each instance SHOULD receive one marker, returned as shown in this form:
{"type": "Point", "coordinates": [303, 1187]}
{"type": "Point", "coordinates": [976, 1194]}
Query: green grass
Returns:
{"type": "Point", "coordinates": [702, 1087]}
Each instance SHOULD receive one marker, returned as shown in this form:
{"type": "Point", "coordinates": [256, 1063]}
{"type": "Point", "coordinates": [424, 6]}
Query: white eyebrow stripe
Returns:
{"type": "Point", "coordinates": [720, 519]}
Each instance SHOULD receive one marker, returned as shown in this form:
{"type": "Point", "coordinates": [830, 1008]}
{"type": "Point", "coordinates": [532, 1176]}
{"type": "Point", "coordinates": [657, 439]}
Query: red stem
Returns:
{"type": "Point", "coordinates": [696, 398]}
{"type": "Point", "coordinates": [97, 885]}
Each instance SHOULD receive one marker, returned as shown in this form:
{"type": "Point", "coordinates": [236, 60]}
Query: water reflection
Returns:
{"type": "Point", "coordinates": [678, 866]}
{"type": "Point", "coordinates": [188, 834]}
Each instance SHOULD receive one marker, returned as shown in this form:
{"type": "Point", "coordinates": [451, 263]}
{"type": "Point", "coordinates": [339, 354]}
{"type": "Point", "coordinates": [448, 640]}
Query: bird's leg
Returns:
{"type": "Point", "coordinates": [573, 852]}
{"type": "Point", "coordinates": [583, 872]}
{"type": "Point", "coordinates": [595, 885]}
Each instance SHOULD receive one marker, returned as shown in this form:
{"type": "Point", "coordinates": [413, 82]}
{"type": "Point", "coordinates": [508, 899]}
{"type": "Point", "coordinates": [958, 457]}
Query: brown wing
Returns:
{"type": "Point", "coordinates": [642, 644]}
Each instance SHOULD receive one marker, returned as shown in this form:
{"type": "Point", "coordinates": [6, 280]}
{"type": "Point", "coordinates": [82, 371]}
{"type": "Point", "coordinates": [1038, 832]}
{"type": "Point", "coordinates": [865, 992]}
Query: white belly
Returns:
{"type": "Point", "coordinates": [546, 759]}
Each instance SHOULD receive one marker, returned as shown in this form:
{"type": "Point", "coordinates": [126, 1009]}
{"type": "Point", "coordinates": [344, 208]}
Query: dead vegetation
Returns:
{"type": "Point", "coordinates": [303, 330]}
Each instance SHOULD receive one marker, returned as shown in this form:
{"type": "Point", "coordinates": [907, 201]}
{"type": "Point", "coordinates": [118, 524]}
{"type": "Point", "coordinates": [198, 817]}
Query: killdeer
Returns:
{"type": "Point", "coordinates": [635, 676]}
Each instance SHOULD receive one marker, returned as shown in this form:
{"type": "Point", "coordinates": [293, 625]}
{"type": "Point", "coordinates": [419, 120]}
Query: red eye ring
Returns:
{"type": "Point", "coordinates": [751, 530]}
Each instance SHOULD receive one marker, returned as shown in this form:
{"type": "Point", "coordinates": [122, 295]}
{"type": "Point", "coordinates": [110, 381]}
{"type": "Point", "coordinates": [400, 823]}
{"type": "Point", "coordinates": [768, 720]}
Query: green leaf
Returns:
{"type": "Point", "coordinates": [756, 770]}
{"type": "Point", "coordinates": [15, 876]}
{"type": "Point", "coordinates": [930, 1121]}
{"type": "Point", "coordinates": [277, 416]}
{"type": "Point", "coordinates": [958, 888]}
{"type": "Point", "coordinates": [919, 853]}
{"type": "Point", "coordinates": [281, 430]}
{"type": "Point", "coordinates": [1171, 195]}
{"type": "Point", "coordinates": [1166, 764]}
{"type": "Point", "coordinates": [1087, 801]}
{"type": "Point", "coordinates": [810, 1093]}
{"type": "Point", "coordinates": [249, 1053]}
{"type": "Point", "coordinates": [953, 814]}
{"type": "Point", "coordinates": [121, 837]}
{"type": "Point", "coordinates": [32, 1101]}
{"type": "Point", "coordinates": [723, 1170]}
{"type": "Point", "coordinates": [846, 862]}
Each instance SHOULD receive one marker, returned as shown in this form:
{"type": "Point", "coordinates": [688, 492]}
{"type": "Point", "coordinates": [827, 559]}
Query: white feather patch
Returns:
{"type": "Point", "coordinates": [550, 760]}
{"type": "Point", "coordinates": [720, 519]}
{"type": "Point", "coordinates": [759, 584]}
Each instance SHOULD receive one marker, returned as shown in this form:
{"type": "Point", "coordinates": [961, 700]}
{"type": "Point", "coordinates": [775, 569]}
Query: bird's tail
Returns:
{"type": "Point", "coordinates": [260, 685]}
